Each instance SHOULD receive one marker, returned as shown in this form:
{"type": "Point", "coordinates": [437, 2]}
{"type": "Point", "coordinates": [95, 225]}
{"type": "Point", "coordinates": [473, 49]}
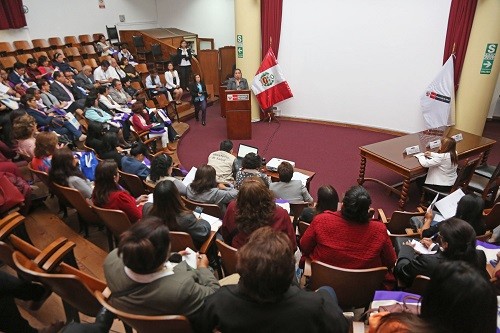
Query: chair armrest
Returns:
{"type": "Point", "coordinates": [420, 210]}
{"type": "Point", "coordinates": [143, 134]}
{"type": "Point", "coordinates": [58, 256]}
{"type": "Point", "coordinates": [307, 267]}
{"type": "Point", "coordinates": [54, 253]}
{"type": "Point", "coordinates": [9, 225]}
{"type": "Point", "coordinates": [210, 240]}
{"type": "Point", "coordinates": [148, 141]}
{"type": "Point", "coordinates": [381, 215]}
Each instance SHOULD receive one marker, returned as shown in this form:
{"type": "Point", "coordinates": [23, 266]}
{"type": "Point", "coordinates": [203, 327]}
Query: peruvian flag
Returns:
{"type": "Point", "coordinates": [269, 84]}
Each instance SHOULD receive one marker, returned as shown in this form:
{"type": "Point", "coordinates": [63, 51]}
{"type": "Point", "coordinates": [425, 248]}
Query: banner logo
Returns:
{"type": "Point", "coordinates": [266, 79]}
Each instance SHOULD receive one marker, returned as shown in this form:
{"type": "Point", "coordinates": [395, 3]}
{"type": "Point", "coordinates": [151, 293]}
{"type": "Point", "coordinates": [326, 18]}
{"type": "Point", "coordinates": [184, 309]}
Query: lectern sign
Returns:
{"type": "Point", "coordinates": [238, 97]}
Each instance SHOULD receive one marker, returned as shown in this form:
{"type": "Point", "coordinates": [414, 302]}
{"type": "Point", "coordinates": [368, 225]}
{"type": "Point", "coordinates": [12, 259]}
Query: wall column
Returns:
{"type": "Point", "coordinates": [476, 90]}
{"type": "Point", "coordinates": [247, 24]}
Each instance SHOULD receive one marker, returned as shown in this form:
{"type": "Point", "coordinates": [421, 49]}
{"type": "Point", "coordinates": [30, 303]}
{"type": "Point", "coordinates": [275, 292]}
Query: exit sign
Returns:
{"type": "Point", "coordinates": [488, 58]}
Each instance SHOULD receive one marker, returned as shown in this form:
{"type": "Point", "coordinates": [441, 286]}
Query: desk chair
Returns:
{"type": "Point", "coordinates": [210, 209]}
{"type": "Point", "coordinates": [228, 257]}
{"type": "Point", "coordinates": [399, 222]}
{"type": "Point", "coordinates": [180, 240]}
{"type": "Point", "coordinates": [132, 183]}
{"type": "Point", "coordinates": [296, 209]}
{"type": "Point", "coordinates": [491, 217]}
{"type": "Point", "coordinates": [56, 42]}
{"type": "Point", "coordinates": [116, 222]}
{"type": "Point", "coordinates": [40, 44]}
{"type": "Point", "coordinates": [419, 285]}
{"type": "Point", "coordinates": [487, 187]}
{"type": "Point", "coordinates": [113, 36]}
{"type": "Point", "coordinates": [140, 48]}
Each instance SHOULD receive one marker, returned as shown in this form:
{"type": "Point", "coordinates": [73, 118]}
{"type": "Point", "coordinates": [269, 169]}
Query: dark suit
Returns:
{"type": "Point", "coordinates": [231, 84]}
{"type": "Point", "coordinates": [199, 105]}
{"type": "Point", "coordinates": [62, 95]}
{"type": "Point", "coordinates": [43, 119]}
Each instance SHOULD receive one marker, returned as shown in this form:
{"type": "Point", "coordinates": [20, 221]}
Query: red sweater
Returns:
{"type": "Point", "coordinates": [123, 201]}
{"type": "Point", "coordinates": [335, 241]}
{"type": "Point", "coordinates": [281, 222]}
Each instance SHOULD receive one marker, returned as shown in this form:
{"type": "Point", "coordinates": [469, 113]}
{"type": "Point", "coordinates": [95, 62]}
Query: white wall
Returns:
{"type": "Point", "coordinates": [61, 18]}
{"type": "Point", "coordinates": [361, 61]}
{"type": "Point", "coordinates": [207, 18]}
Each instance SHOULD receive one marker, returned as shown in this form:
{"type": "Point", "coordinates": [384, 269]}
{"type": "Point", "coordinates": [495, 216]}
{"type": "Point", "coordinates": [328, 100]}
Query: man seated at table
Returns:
{"type": "Point", "coordinates": [222, 161]}
{"type": "Point", "coordinates": [288, 189]}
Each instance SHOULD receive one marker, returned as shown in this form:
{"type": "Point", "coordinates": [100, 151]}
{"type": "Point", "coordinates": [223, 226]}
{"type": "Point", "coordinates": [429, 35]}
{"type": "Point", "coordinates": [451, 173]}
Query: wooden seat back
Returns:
{"type": "Point", "coordinates": [465, 174]}
{"type": "Point", "coordinates": [147, 324]}
{"type": "Point", "coordinates": [6, 49]}
{"type": "Point", "coordinates": [73, 289]}
{"type": "Point", "coordinates": [37, 55]}
{"type": "Point", "coordinates": [133, 183]}
{"type": "Point", "coordinates": [85, 39]}
{"type": "Point", "coordinates": [296, 209]}
{"type": "Point", "coordinates": [40, 44]}
{"type": "Point", "coordinates": [55, 42]}
{"type": "Point", "coordinates": [419, 285]}
{"type": "Point", "coordinates": [180, 240]}
{"type": "Point", "coordinates": [90, 62]}
{"type": "Point", "coordinates": [229, 257]}
{"type": "Point", "coordinates": [7, 62]}
{"type": "Point", "coordinates": [492, 217]}
{"type": "Point", "coordinates": [22, 45]}
{"type": "Point", "coordinates": [71, 41]}
{"type": "Point", "coordinates": [354, 287]}
{"type": "Point", "coordinates": [24, 57]}
{"type": "Point", "coordinates": [303, 227]}
{"type": "Point", "coordinates": [399, 221]}
{"type": "Point", "coordinates": [210, 209]}
{"type": "Point", "coordinates": [52, 53]}
{"type": "Point", "coordinates": [76, 64]}
{"type": "Point", "coordinates": [115, 220]}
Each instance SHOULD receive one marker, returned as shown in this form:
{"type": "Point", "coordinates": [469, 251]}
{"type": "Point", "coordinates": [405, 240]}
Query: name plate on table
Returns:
{"type": "Point", "coordinates": [458, 137]}
{"type": "Point", "coordinates": [435, 144]}
{"type": "Point", "coordinates": [412, 150]}
{"type": "Point", "coordinates": [237, 97]}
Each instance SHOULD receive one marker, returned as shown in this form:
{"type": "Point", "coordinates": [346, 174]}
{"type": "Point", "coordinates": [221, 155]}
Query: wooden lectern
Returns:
{"type": "Point", "coordinates": [235, 105]}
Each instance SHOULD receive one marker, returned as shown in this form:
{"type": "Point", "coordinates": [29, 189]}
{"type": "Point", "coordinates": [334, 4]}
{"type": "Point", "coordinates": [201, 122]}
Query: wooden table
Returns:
{"type": "Point", "coordinates": [390, 154]}
{"type": "Point", "coordinates": [276, 178]}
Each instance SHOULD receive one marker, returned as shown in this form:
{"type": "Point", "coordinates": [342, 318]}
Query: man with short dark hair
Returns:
{"type": "Point", "coordinates": [288, 189]}
{"type": "Point", "coordinates": [19, 78]}
{"type": "Point", "coordinates": [102, 75]}
{"type": "Point", "coordinates": [62, 89]}
{"type": "Point", "coordinates": [222, 161]}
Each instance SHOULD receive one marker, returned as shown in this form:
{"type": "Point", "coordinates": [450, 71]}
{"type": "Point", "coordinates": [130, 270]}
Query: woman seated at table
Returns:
{"type": "Point", "coordinates": [161, 169]}
{"type": "Point", "coordinates": [328, 199]}
{"type": "Point", "coordinates": [108, 194]}
{"type": "Point", "coordinates": [442, 166]}
{"type": "Point", "coordinates": [167, 205]}
{"type": "Point", "coordinates": [350, 238]}
{"type": "Point", "coordinates": [157, 286]}
{"type": "Point", "coordinates": [237, 82]}
{"type": "Point", "coordinates": [254, 208]}
{"type": "Point", "coordinates": [66, 172]}
{"type": "Point", "coordinates": [250, 167]}
{"type": "Point", "coordinates": [457, 242]}
{"type": "Point", "coordinates": [204, 188]}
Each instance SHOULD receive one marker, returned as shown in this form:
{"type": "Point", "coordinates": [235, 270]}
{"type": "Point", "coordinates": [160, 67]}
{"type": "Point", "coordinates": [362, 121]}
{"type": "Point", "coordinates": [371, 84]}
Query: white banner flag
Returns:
{"type": "Point", "coordinates": [438, 101]}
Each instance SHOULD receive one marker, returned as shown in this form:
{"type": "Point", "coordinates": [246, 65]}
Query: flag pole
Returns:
{"type": "Point", "coordinates": [269, 112]}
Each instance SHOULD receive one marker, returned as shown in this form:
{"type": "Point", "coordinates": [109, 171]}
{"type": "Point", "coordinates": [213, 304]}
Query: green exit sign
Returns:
{"type": "Point", "coordinates": [488, 58]}
{"type": "Point", "coordinates": [239, 50]}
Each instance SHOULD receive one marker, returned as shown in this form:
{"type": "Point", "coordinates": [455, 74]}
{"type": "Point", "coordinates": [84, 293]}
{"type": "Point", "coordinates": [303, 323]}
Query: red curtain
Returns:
{"type": "Point", "coordinates": [270, 24]}
{"type": "Point", "coordinates": [457, 37]}
{"type": "Point", "coordinates": [11, 14]}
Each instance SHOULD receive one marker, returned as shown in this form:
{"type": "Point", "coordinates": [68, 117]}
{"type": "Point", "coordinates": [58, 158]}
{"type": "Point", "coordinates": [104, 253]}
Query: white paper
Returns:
{"type": "Point", "coordinates": [150, 197]}
{"type": "Point", "coordinates": [189, 177]}
{"type": "Point", "coordinates": [190, 258]}
{"type": "Point", "coordinates": [420, 248]}
{"type": "Point", "coordinates": [215, 222]}
{"type": "Point", "coordinates": [418, 155]}
{"type": "Point", "coordinates": [431, 206]}
{"type": "Point", "coordinates": [438, 217]}
{"type": "Point", "coordinates": [284, 205]}
{"type": "Point", "coordinates": [448, 205]}
{"type": "Point", "coordinates": [491, 254]}
{"type": "Point", "coordinates": [300, 176]}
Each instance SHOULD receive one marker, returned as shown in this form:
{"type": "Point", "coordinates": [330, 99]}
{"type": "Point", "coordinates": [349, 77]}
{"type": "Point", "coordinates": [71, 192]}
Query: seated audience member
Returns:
{"type": "Point", "coordinates": [127, 86]}
{"type": "Point", "coordinates": [118, 94]}
{"type": "Point", "coordinates": [154, 85]}
{"type": "Point", "coordinates": [157, 286]}
{"type": "Point", "coordinates": [60, 64]}
{"type": "Point", "coordinates": [456, 290]}
{"type": "Point", "coordinates": [167, 205]}
{"type": "Point", "coordinates": [130, 70]}
{"type": "Point", "coordinates": [108, 194]}
{"type": "Point", "coordinates": [125, 54]}
{"type": "Point", "coordinates": [11, 320]}
{"type": "Point", "coordinates": [103, 46]}
{"type": "Point", "coordinates": [45, 67]}
{"type": "Point", "coordinates": [51, 101]}
{"type": "Point", "coordinates": [80, 94]}
{"type": "Point", "coordinates": [173, 83]}
{"type": "Point", "coordinates": [94, 113]}
{"type": "Point", "coordinates": [66, 172]}
{"type": "Point", "coordinates": [85, 79]}
{"type": "Point", "coordinates": [265, 299]}
{"type": "Point", "coordinates": [254, 208]}
{"type": "Point", "coordinates": [45, 145]}
{"type": "Point", "coordinates": [133, 163]}
{"type": "Point", "coordinates": [95, 134]}
{"type": "Point", "coordinates": [204, 188]}
{"type": "Point", "coordinates": [106, 99]}
{"type": "Point", "coordinates": [19, 79]}
{"type": "Point", "coordinates": [140, 122]}
{"type": "Point", "coordinates": [23, 132]}
{"type": "Point", "coordinates": [161, 117]}
{"type": "Point", "coordinates": [457, 242]}
{"type": "Point", "coordinates": [62, 89]}
{"type": "Point", "coordinates": [328, 199]}
{"type": "Point", "coordinates": [110, 149]}
{"type": "Point", "coordinates": [115, 71]}
{"type": "Point", "coordinates": [469, 208]}
{"type": "Point", "coordinates": [38, 98]}
{"type": "Point", "coordinates": [349, 238]}
{"type": "Point", "coordinates": [237, 82]}
{"type": "Point", "coordinates": [161, 169]}
{"type": "Point", "coordinates": [54, 122]}
{"type": "Point", "coordinates": [222, 161]}
{"type": "Point", "coordinates": [32, 70]}
{"type": "Point", "coordinates": [250, 167]}
{"type": "Point", "coordinates": [102, 75]}
{"type": "Point", "coordinates": [288, 189]}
